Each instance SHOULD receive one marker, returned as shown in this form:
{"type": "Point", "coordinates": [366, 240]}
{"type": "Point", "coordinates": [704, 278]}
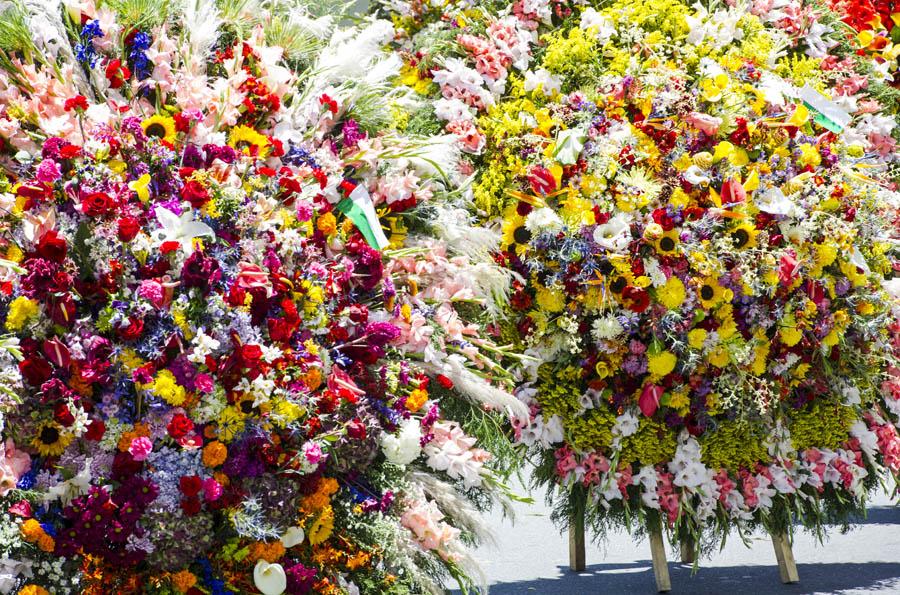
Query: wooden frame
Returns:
{"type": "Point", "coordinates": [787, 567]}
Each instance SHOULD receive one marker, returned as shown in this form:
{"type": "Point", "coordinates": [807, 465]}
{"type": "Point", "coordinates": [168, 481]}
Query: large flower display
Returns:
{"type": "Point", "coordinates": [220, 372]}
{"type": "Point", "coordinates": [699, 204]}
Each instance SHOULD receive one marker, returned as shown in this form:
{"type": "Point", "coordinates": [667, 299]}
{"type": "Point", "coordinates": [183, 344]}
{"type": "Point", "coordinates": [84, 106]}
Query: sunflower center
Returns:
{"type": "Point", "coordinates": [741, 237]}
{"type": "Point", "coordinates": [521, 235]}
{"type": "Point", "coordinates": [707, 292]}
{"type": "Point", "coordinates": [618, 284]}
{"type": "Point", "coordinates": [157, 130]}
{"type": "Point", "coordinates": [246, 406]}
{"type": "Point", "coordinates": [667, 244]}
{"type": "Point", "coordinates": [49, 435]}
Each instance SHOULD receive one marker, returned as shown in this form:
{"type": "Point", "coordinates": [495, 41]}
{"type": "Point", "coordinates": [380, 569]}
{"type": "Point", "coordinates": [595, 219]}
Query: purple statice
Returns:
{"type": "Point", "coordinates": [635, 365]}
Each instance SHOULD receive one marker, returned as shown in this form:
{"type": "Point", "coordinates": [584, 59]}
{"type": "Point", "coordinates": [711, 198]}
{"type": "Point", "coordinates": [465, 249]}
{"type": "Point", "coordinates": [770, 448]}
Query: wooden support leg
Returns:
{"type": "Point", "coordinates": [660, 566]}
{"type": "Point", "coordinates": [688, 551]}
{"type": "Point", "coordinates": [787, 568]}
{"type": "Point", "coordinates": [576, 541]}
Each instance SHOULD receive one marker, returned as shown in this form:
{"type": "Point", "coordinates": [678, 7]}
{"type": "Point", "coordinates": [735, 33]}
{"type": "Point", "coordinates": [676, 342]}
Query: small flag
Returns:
{"type": "Point", "coordinates": [358, 206]}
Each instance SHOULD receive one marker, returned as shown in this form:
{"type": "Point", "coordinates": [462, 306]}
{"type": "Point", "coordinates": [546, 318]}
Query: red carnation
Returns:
{"type": "Point", "coordinates": [117, 73]}
{"type": "Point", "coordinates": [78, 103]}
{"type": "Point", "coordinates": [35, 370]}
{"type": "Point", "coordinates": [444, 381]}
{"type": "Point", "coordinates": [128, 228]}
{"type": "Point", "coordinates": [180, 426]}
{"type": "Point", "coordinates": [190, 506]}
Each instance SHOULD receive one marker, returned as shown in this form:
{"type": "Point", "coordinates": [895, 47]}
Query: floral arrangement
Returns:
{"type": "Point", "coordinates": [699, 203]}
{"type": "Point", "coordinates": [247, 328]}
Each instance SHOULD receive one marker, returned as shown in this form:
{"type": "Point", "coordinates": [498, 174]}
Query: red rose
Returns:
{"type": "Point", "coordinates": [444, 381]}
{"type": "Point", "coordinates": [356, 430]}
{"type": "Point", "coordinates": [190, 506]}
{"type": "Point", "coordinates": [180, 426]}
{"type": "Point", "coordinates": [62, 415]}
{"type": "Point", "coordinates": [36, 370]}
{"type": "Point", "coordinates": [95, 430]}
{"type": "Point", "coordinates": [96, 204]}
{"type": "Point", "coordinates": [190, 485]}
{"type": "Point", "coordinates": [52, 247]}
{"type": "Point", "coordinates": [133, 330]}
{"type": "Point", "coordinates": [195, 193]}
{"type": "Point", "coordinates": [128, 228]}
{"type": "Point", "coordinates": [251, 354]}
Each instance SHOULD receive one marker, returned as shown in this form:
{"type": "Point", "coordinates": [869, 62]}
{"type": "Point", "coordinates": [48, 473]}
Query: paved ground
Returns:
{"type": "Point", "coordinates": [532, 558]}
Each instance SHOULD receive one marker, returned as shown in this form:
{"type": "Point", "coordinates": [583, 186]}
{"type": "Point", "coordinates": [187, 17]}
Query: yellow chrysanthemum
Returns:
{"type": "Point", "coordinates": [21, 310]}
{"type": "Point", "coordinates": [672, 294]}
{"type": "Point", "coordinates": [161, 127]}
{"type": "Point", "coordinates": [661, 364]}
{"type": "Point", "coordinates": [167, 388]}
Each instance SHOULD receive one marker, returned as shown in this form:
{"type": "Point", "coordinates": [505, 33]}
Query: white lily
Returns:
{"type": "Point", "coordinates": [182, 229]}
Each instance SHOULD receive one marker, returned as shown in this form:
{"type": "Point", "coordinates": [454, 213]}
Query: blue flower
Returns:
{"type": "Point", "coordinates": [84, 49]}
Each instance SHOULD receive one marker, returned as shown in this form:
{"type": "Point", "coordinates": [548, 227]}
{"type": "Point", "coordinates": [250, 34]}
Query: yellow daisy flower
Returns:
{"type": "Point", "coordinates": [744, 236]}
{"type": "Point", "coordinates": [710, 293]}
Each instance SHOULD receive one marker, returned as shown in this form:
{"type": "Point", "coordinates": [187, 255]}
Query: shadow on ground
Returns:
{"type": "Point", "coordinates": [608, 579]}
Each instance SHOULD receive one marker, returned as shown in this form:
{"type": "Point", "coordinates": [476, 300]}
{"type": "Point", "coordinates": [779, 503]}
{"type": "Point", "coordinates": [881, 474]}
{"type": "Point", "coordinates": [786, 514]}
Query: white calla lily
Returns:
{"type": "Point", "coordinates": [270, 579]}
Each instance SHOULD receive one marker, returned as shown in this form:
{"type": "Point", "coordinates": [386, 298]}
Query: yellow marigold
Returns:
{"type": "Point", "coordinates": [31, 530]}
{"type": "Point", "coordinates": [696, 338]}
{"type": "Point", "coordinates": [326, 223]}
{"type": "Point", "coordinates": [550, 300]}
{"type": "Point", "coordinates": [416, 399]}
{"type": "Point", "coordinates": [661, 364]}
{"type": "Point", "coordinates": [214, 454]}
{"type": "Point", "coordinates": [33, 590]}
{"type": "Point", "coordinates": [168, 389]}
{"type": "Point", "coordinates": [183, 580]}
{"type": "Point", "coordinates": [21, 310]}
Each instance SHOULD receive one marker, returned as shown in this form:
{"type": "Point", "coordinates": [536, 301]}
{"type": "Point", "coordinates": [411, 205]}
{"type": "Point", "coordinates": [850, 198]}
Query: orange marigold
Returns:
{"type": "Point", "coordinates": [46, 543]}
{"type": "Point", "coordinates": [31, 530]}
{"type": "Point", "coordinates": [183, 580]}
{"type": "Point", "coordinates": [214, 454]}
{"type": "Point", "coordinates": [416, 399]}
{"type": "Point", "coordinates": [33, 590]}
{"type": "Point", "coordinates": [270, 552]}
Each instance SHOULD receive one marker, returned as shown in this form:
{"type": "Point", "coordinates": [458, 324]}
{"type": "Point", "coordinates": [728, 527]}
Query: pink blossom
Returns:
{"type": "Point", "coordinates": [140, 448]}
{"type": "Point", "coordinates": [48, 171]}
{"type": "Point", "coordinates": [704, 122]}
{"type": "Point", "coordinates": [152, 291]}
{"type": "Point", "coordinates": [13, 464]}
{"type": "Point", "coordinates": [204, 383]}
{"type": "Point", "coordinates": [212, 489]}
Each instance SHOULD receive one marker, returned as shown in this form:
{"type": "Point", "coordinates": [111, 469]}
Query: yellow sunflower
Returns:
{"type": "Point", "coordinates": [248, 141]}
{"type": "Point", "coordinates": [744, 236]}
{"type": "Point", "coordinates": [710, 293]}
{"type": "Point", "coordinates": [515, 235]}
{"type": "Point", "coordinates": [667, 243]}
{"type": "Point", "coordinates": [50, 440]}
{"type": "Point", "coordinates": [161, 127]}
{"type": "Point", "coordinates": [322, 527]}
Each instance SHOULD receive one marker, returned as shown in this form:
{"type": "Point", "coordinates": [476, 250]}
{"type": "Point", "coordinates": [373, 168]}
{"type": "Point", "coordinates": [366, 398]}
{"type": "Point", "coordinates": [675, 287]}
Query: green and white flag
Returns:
{"type": "Point", "coordinates": [358, 206]}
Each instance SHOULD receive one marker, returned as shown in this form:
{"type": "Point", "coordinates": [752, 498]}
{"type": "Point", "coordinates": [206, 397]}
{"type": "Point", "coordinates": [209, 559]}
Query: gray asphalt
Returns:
{"type": "Point", "coordinates": [532, 558]}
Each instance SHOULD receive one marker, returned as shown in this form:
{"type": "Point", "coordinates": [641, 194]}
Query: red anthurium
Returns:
{"type": "Point", "coordinates": [649, 399]}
